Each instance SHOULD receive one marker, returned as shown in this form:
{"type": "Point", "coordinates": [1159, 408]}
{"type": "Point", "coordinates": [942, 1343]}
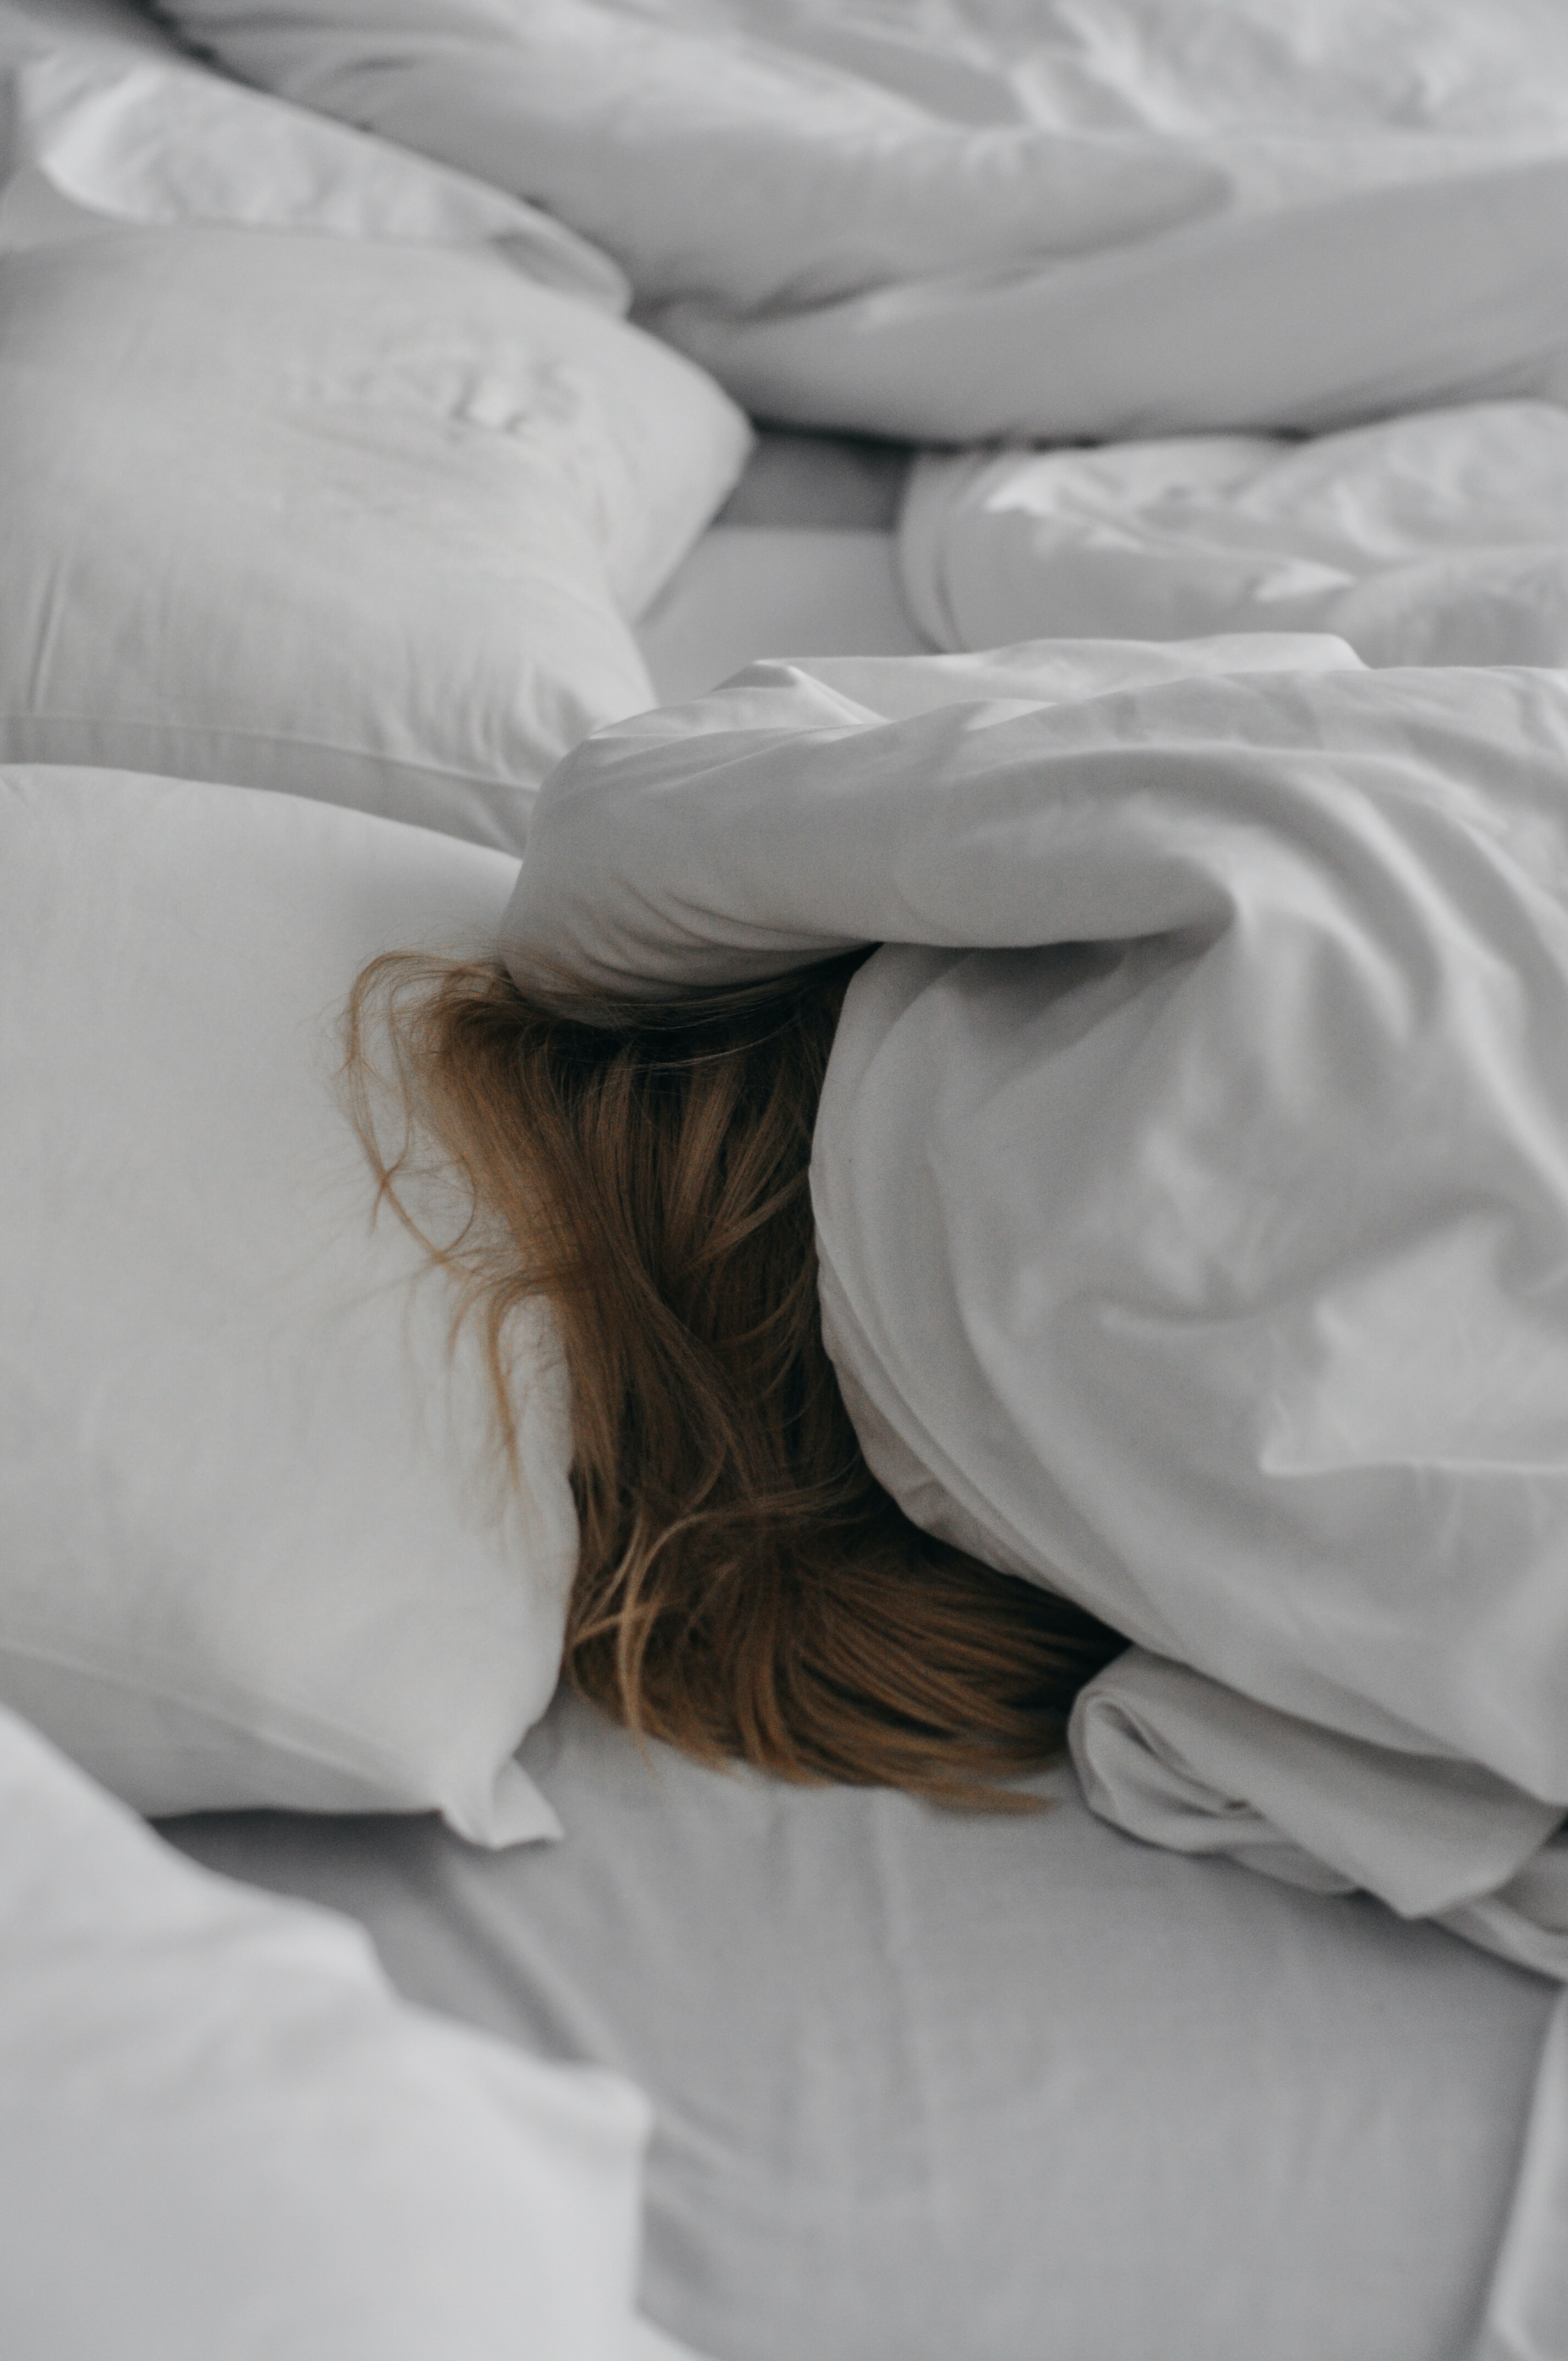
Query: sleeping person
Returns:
{"type": "Point", "coordinates": [1160, 1236]}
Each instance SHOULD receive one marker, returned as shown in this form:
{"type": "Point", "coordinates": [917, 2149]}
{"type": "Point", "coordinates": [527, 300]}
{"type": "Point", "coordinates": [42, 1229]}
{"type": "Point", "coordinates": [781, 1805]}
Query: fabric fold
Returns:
{"type": "Point", "coordinates": [1185, 1763]}
{"type": "Point", "coordinates": [1190, 1174]}
{"type": "Point", "coordinates": [1430, 539]}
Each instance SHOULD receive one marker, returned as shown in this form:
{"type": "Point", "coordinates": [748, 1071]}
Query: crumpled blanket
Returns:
{"type": "Point", "coordinates": [224, 2132]}
{"type": "Point", "coordinates": [955, 219]}
{"type": "Point", "coordinates": [1183, 1762]}
{"type": "Point", "coordinates": [1436, 538]}
{"type": "Point", "coordinates": [1190, 1179]}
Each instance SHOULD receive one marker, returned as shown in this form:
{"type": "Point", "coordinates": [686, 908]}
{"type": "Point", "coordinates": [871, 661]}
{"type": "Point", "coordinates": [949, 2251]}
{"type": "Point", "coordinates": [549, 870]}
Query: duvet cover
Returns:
{"type": "Point", "coordinates": [954, 219]}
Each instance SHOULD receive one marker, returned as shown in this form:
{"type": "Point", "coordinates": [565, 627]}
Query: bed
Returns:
{"type": "Point", "coordinates": [922, 2083]}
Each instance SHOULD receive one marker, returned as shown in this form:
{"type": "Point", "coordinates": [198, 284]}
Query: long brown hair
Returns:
{"type": "Point", "coordinates": [745, 1586]}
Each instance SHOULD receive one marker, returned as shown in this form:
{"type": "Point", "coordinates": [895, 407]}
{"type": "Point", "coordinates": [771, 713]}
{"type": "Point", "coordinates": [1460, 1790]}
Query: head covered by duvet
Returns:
{"type": "Point", "coordinates": [745, 1587]}
{"type": "Point", "coordinates": [1184, 1253]}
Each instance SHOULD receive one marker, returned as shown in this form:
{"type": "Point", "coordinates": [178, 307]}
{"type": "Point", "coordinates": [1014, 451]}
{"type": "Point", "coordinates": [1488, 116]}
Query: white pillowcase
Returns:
{"type": "Point", "coordinates": [224, 2135]}
{"type": "Point", "coordinates": [351, 517]}
{"type": "Point", "coordinates": [256, 1551]}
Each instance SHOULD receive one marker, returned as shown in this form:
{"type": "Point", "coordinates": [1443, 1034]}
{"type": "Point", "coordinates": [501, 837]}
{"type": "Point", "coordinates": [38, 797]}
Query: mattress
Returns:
{"type": "Point", "coordinates": [931, 2084]}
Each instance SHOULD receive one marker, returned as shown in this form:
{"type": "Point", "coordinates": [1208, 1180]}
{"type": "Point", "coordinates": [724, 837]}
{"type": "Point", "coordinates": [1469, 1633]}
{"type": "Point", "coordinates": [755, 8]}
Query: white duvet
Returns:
{"type": "Point", "coordinates": [1192, 1177]}
{"type": "Point", "coordinates": [955, 219]}
{"type": "Point", "coordinates": [224, 2135]}
{"type": "Point", "coordinates": [1436, 538]}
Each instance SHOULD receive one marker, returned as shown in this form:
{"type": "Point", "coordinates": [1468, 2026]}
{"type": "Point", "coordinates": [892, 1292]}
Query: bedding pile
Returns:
{"type": "Point", "coordinates": [337, 477]}
{"type": "Point", "coordinates": [955, 219]}
{"type": "Point", "coordinates": [1191, 1171]}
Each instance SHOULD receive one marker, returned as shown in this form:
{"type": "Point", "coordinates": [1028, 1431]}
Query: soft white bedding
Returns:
{"type": "Point", "coordinates": [250, 1547]}
{"type": "Point", "coordinates": [222, 2135]}
{"type": "Point", "coordinates": [922, 2083]}
{"type": "Point", "coordinates": [1436, 538]}
{"type": "Point", "coordinates": [1190, 1187]}
{"type": "Point", "coordinates": [100, 125]}
{"type": "Point", "coordinates": [1190, 1171]}
{"type": "Point", "coordinates": [1184, 1762]}
{"type": "Point", "coordinates": [802, 560]}
{"type": "Point", "coordinates": [929, 2085]}
{"type": "Point", "coordinates": [962, 222]}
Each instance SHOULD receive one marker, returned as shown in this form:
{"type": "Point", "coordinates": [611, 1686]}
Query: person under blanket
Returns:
{"type": "Point", "coordinates": [1040, 1151]}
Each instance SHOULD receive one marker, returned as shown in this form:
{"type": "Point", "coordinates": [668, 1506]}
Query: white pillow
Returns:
{"type": "Point", "coordinates": [224, 2135]}
{"type": "Point", "coordinates": [346, 517]}
{"type": "Point", "coordinates": [254, 1548]}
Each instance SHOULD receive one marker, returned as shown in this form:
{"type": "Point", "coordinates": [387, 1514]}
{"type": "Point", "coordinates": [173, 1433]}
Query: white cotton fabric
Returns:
{"type": "Point", "coordinates": [95, 131]}
{"type": "Point", "coordinates": [29, 27]}
{"type": "Point", "coordinates": [224, 2134]}
{"type": "Point", "coordinates": [1432, 539]}
{"type": "Point", "coordinates": [1181, 1762]}
{"type": "Point", "coordinates": [956, 221]}
{"type": "Point", "coordinates": [925, 2080]}
{"type": "Point", "coordinates": [711, 160]}
{"type": "Point", "coordinates": [1528, 2297]}
{"type": "Point", "coordinates": [257, 1549]}
{"type": "Point", "coordinates": [354, 518]}
{"type": "Point", "coordinates": [1192, 1168]}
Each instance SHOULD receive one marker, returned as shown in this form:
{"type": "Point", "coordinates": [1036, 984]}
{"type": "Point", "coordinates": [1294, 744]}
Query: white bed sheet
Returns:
{"type": "Point", "coordinates": [929, 2085]}
{"type": "Point", "coordinates": [761, 590]}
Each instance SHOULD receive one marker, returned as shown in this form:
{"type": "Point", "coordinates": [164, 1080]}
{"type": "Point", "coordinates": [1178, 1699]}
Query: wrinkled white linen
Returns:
{"type": "Point", "coordinates": [958, 222]}
{"type": "Point", "coordinates": [1184, 1763]}
{"type": "Point", "coordinates": [1440, 538]}
{"type": "Point", "coordinates": [459, 480]}
{"type": "Point", "coordinates": [94, 129]}
{"type": "Point", "coordinates": [362, 519]}
{"type": "Point", "coordinates": [224, 2134]}
{"type": "Point", "coordinates": [712, 162]}
{"type": "Point", "coordinates": [914, 2071]}
{"type": "Point", "coordinates": [1192, 1170]}
{"type": "Point", "coordinates": [1181, 1763]}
